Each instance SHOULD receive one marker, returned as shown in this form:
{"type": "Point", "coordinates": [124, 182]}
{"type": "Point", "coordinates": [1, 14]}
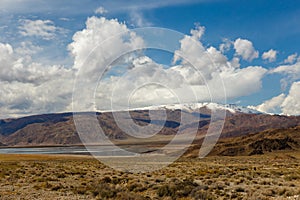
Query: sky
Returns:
{"type": "Point", "coordinates": [53, 54]}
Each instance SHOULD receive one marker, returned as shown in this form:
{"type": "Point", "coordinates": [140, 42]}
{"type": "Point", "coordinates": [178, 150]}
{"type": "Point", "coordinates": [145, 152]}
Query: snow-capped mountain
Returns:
{"type": "Point", "coordinates": [190, 107]}
{"type": "Point", "coordinates": [59, 129]}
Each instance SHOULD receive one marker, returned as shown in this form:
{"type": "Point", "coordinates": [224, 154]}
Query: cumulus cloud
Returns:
{"type": "Point", "coordinates": [192, 50]}
{"type": "Point", "coordinates": [291, 104]}
{"type": "Point", "coordinates": [291, 72]}
{"type": "Point", "coordinates": [225, 46]}
{"type": "Point", "coordinates": [146, 82]}
{"type": "Point", "coordinates": [100, 10]}
{"type": "Point", "coordinates": [195, 68]}
{"type": "Point", "coordinates": [245, 49]}
{"type": "Point", "coordinates": [30, 87]}
{"type": "Point", "coordinates": [197, 32]}
{"type": "Point", "coordinates": [101, 39]}
{"type": "Point", "coordinates": [211, 63]}
{"type": "Point", "coordinates": [44, 29]}
{"type": "Point", "coordinates": [107, 36]}
{"type": "Point", "coordinates": [28, 48]}
{"type": "Point", "coordinates": [22, 69]}
{"type": "Point", "coordinates": [269, 55]}
{"type": "Point", "coordinates": [27, 87]}
{"type": "Point", "coordinates": [283, 104]}
{"type": "Point", "coordinates": [243, 82]}
{"type": "Point", "coordinates": [291, 58]}
{"type": "Point", "coordinates": [272, 105]}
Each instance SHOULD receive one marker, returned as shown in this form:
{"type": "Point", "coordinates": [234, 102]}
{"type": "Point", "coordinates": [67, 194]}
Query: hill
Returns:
{"type": "Point", "coordinates": [59, 129]}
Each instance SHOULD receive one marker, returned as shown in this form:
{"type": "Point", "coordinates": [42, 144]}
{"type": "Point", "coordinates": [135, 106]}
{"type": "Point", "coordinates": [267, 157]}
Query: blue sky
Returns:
{"type": "Point", "coordinates": [266, 24]}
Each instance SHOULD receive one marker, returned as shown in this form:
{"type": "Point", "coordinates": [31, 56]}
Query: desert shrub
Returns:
{"type": "Point", "coordinates": [136, 187]}
{"type": "Point", "coordinates": [106, 179]}
{"type": "Point", "coordinates": [199, 193]}
{"type": "Point", "coordinates": [50, 178]}
{"type": "Point", "coordinates": [164, 190]}
{"type": "Point", "coordinates": [103, 190]}
{"type": "Point", "coordinates": [43, 185]}
{"type": "Point", "coordinates": [240, 189]}
{"type": "Point", "coordinates": [282, 191]}
{"type": "Point", "coordinates": [60, 175]}
{"type": "Point", "coordinates": [233, 195]}
{"type": "Point", "coordinates": [57, 187]}
{"type": "Point", "coordinates": [80, 190]}
{"type": "Point", "coordinates": [220, 187]}
{"type": "Point", "coordinates": [129, 196]}
{"type": "Point", "coordinates": [116, 180]}
{"type": "Point", "coordinates": [159, 180]}
{"type": "Point", "coordinates": [177, 190]}
{"type": "Point", "coordinates": [291, 177]}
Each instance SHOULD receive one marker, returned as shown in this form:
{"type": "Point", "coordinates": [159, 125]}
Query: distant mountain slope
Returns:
{"type": "Point", "coordinates": [263, 142]}
{"type": "Point", "coordinates": [59, 129]}
{"type": "Point", "coordinates": [243, 124]}
{"type": "Point", "coordinates": [10, 126]}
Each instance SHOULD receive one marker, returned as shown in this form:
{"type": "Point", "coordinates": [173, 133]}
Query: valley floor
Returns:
{"type": "Point", "coordinates": [270, 176]}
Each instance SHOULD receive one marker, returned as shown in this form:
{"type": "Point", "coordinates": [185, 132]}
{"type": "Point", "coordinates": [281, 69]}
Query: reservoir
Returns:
{"type": "Point", "coordinates": [79, 150]}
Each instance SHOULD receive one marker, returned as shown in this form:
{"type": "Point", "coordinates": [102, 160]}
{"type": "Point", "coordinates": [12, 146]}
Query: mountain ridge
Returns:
{"type": "Point", "coordinates": [59, 129]}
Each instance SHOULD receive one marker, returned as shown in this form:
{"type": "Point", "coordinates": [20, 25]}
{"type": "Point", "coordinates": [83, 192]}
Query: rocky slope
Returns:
{"type": "Point", "coordinates": [59, 129]}
{"type": "Point", "coordinates": [260, 143]}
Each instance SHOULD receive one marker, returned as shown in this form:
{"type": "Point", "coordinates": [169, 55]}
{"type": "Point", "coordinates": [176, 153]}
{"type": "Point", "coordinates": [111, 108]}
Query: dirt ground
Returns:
{"type": "Point", "coordinates": [270, 176]}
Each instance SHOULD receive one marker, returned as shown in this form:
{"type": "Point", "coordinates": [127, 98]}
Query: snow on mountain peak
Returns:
{"type": "Point", "coordinates": [190, 107]}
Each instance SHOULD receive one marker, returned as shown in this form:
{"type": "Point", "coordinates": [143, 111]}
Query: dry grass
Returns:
{"type": "Point", "coordinates": [270, 176]}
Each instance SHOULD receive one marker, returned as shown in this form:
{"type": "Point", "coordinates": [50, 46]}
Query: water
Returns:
{"type": "Point", "coordinates": [80, 150]}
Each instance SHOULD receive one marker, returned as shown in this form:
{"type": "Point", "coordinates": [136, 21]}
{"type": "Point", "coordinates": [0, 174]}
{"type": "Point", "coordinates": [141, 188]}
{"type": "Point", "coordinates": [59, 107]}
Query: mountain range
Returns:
{"type": "Point", "coordinates": [245, 131]}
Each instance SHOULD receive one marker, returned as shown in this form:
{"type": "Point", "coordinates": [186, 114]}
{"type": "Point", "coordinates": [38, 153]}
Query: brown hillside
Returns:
{"type": "Point", "coordinates": [59, 129]}
{"type": "Point", "coordinates": [260, 143]}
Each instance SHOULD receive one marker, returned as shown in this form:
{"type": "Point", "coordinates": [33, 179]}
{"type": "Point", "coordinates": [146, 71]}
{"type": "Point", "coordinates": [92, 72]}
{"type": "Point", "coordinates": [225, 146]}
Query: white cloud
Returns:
{"type": "Point", "coordinates": [193, 51]}
{"type": "Point", "coordinates": [291, 104]}
{"type": "Point", "coordinates": [209, 65]}
{"type": "Point", "coordinates": [235, 62]}
{"type": "Point", "coordinates": [6, 51]}
{"type": "Point", "coordinates": [22, 69]}
{"type": "Point", "coordinates": [245, 49]}
{"type": "Point", "coordinates": [272, 105]}
{"type": "Point", "coordinates": [242, 82]}
{"type": "Point", "coordinates": [211, 62]}
{"type": "Point", "coordinates": [100, 10]}
{"type": "Point", "coordinates": [44, 29]}
{"type": "Point", "coordinates": [138, 20]}
{"type": "Point", "coordinates": [283, 104]}
{"type": "Point", "coordinates": [64, 19]}
{"type": "Point", "coordinates": [291, 58]}
{"type": "Point", "coordinates": [270, 55]}
{"type": "Point", "coordinates": [28, 48]}
{"type": "Point", "coordinates": [146, 82]}
{"type": "Point", "coordinates": [225, 46]}
{"type": "Point", "coordinates": [197, 32]}
{"type": "Point", "coordinates": [291, 72]}
{"type": "Point", "coordinates": [189, 47]}
{"type": "Point", "coordinates": [110, 36]}
{"type": "Point", "coordinates": [107, 38]}
{"type": "Point", "coordinates": [27, 87]}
